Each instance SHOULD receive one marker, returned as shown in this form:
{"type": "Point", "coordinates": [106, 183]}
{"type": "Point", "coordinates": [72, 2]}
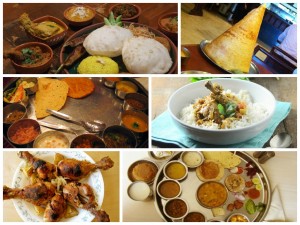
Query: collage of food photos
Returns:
{"type": "Point", "coordinates": [205, 132]}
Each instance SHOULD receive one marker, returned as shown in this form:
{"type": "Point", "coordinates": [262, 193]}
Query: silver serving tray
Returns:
{"type": "Point", "coordinates": [253, 67]}
{"type": "Point", "coordinates": [102, 105]}
{"type": "Point", "coordinates": [192, 182]}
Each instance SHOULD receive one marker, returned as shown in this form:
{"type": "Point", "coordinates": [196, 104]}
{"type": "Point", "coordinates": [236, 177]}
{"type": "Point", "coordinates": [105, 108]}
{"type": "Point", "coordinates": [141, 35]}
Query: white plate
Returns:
{"type": "Point", "coordinates": [95, 180]}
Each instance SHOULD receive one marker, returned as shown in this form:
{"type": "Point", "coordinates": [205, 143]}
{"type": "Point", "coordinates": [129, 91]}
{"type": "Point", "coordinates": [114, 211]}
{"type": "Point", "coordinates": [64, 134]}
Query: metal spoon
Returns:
{"type": "Point", "coordinates": [61, 127]}
{"type": "Point", "coordinates": [282, 140]}
{"type": "Point", "coordinates": [91, 126]}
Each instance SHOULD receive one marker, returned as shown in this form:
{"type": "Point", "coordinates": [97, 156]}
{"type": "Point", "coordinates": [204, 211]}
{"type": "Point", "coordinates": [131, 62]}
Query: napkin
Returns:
{"type": "Point", "coordinates": [165, 131]}
{"type": "Point", "coordinates": [276, 212]}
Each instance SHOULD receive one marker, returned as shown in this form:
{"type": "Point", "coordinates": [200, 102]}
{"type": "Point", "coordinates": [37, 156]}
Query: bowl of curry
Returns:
{"type": "Point", "coordinates": [33, 58]}
{"type": "Point", "coordinates": [168, 24]}
{"type": "Point", "coordinates": [211, 194]}
{"type": "Point", "coordinates": [57, 32]}
{"type": "Point", "coordinates": [79, 15]}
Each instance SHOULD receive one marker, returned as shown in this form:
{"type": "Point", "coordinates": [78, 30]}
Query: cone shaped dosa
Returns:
{"type": "Point", "coordinates": [233, 49]}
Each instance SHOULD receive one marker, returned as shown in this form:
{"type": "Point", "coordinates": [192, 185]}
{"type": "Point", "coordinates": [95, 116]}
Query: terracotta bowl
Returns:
{"type": "Point", "coordinates": [79, 23]}
{"type": "Point", "coordinates": [54, 39]}
{"type": "Point", "coordinates": [134, 18]}
{"type": "Point", "coordinates": [172, 35]}
{"type": "Point", "coordinates": [33, 69]}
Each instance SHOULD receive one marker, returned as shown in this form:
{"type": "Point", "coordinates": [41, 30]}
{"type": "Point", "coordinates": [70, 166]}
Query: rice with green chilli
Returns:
{"type": "Point", "coordinates": [255, 113]}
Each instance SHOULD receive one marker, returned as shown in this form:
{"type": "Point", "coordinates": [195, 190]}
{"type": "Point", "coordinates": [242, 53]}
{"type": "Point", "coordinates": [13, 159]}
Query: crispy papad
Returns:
{"type": "Point", "coordinates": [51, 94]}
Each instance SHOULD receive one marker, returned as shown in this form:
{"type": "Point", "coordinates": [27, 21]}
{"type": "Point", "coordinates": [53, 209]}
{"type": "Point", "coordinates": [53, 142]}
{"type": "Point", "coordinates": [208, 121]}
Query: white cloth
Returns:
{"type": "Point", "coordinates": [288, 39]}
{"type": "Point", "coordinates": [276, 211]}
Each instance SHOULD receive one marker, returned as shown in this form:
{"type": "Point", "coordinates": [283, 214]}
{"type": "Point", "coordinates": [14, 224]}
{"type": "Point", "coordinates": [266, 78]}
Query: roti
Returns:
{"type": "Point", "coordinates": [79, 87]}
{"type": "Point", "coordinates": [210, 170]}
{"type": "Point", "coordinates": [233, 49]}
{"type": "Point", "coordinates": [51, 94]}
{"type": "Point", "coordinates": [227, 159]}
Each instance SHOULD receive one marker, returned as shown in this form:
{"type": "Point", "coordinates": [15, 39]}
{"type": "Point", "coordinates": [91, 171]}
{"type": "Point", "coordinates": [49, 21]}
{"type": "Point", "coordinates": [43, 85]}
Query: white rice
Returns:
{"type": "Point", "coordinates": [255, 113]}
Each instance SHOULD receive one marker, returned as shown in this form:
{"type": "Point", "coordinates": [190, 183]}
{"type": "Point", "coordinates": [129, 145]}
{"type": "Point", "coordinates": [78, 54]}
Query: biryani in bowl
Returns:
{"type": "Point", "coordinates": [222, 111]}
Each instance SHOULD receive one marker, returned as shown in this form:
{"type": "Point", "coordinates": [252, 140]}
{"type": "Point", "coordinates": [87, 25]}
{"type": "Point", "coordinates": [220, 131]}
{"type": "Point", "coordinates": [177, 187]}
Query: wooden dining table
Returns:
{"type": "Point", "coordinates": [199, 62]}
{"type": "Point", "coordinates": [14, 35]}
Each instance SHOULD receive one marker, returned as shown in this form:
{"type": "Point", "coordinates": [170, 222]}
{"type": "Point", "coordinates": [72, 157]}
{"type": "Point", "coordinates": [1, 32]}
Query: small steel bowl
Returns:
{"type": "Point", "coordinates": [168, 180]}
{"type": "Point", "coordinates": [140, 99]}
{"type": "Point", "coordinates": [183, 154]}
{"type": "Point", "coordinates": [127, 122]}
{"type": "Point", "coordinates": [125, 87]}
{"type": "Point", "coordinates": [24, 101]}
{"type": "Point", "coordinates": [110, 82]}
{"type": "Point", "coordinates": [48, 134]}
{"type": "Point", "coordinates": [210, 207]}
{"type": "Point", "coordinates": [7, 110]}
{"type": "Point", "coordinates": [185, 218]}
{"type": "Point", "coordinates": [175, 161]}
{"type": "Point", "coordinates": [238, 214]}
{"type": "Point", "coordinates": [91, 139]}
{"type": "Point", "coordinates": [21, 124]}
{"type": "Point", "coordinates": [122, 130]}
{"type": "Point", "coordinates": [185, 55]}
{"type": "Point", "coordinates": [175, 218]}
{"type": "Point", "coordinates": [131, 167]}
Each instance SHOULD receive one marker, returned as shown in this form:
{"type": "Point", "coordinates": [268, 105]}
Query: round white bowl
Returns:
{"type": "Point", "coordinates": [187, 95]}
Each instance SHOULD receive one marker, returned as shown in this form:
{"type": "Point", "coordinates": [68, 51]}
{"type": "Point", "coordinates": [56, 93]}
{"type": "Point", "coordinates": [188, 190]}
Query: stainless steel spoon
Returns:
{"type": "Point", "coordinates": [282, 140]}
{"type": "Point", "coordinates": [61, 127]}
{"type": "Point", "coordinates": [91, 126]}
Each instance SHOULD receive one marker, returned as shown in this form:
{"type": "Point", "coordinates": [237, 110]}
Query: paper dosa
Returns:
{"type": "Point", "coordinates": [233, 49]}
{"type": "Point", "coordinates": [51, 94]}
{"type": "Point", "coordinates": [79, 87]}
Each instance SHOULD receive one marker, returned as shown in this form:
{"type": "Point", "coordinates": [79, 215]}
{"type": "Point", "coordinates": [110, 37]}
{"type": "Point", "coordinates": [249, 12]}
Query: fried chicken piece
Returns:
{"type": "Point", "coordinates": [217, 94]}
{"type": "Point", "coordinates": [41, 30]}
{"type": "Point", "coordinates": [38, 194]}
{"type": "Point", "coordinates": [82, 196]}
{"type": "Point", "coordinates": [44, 170]}
{"type": "Point", "coordinates": [79, 195]}
{"type": "Point", "coordinates": [56, 209]}
{"type": "Point", "coordinates": [74, 169]}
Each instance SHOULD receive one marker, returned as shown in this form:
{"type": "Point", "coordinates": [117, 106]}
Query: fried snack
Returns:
{"type": "Point", "coordinates": [79, 87]}
{"type": "Point", "coordinates": [233, 49]}
{"type": "Point", "coordinates": [51, 94]}
{"type": "Point", "coordinates": [227, 159]}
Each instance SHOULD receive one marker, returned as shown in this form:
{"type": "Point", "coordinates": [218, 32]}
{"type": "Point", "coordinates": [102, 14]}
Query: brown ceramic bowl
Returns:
{"type": "Point", "coordinates": [134, 18]}
{"type": "Point", "coordinates": [55, 39]}
{"type": "Point", "coordinates": [33, 69]}
{"type": "Point", "coordinates": [163, 29]}
{"type": "Point", "coordinates": [23, 124]}
{"type": "Point", "coordinates": [82, 22]}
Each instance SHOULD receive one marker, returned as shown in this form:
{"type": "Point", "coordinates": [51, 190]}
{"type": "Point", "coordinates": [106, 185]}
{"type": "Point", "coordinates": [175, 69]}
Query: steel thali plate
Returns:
{"type": "Point", "coordinates": [192, 182]}
{"type": "Point", "coordinates": [253, 68]}
{"type": "Point", "coordinates": [102, 104]}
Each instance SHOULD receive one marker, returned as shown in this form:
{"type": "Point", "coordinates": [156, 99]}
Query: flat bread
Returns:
{"type": "Point", "coordinates": [210, 170]}
{"type": "Point", "coordinates": [227, 159]}
{"type": "Point", "coordinates": [233, 49]}
{"type": "Point", "coordinates": [51, 94]}
{"type": "Point", "coordinates": [79, 87]}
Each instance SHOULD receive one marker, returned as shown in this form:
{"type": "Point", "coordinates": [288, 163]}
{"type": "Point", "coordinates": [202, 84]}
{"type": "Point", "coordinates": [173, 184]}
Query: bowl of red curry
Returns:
{"type": "Point", "coordinates": [129, 12]}
{"type": "Point", "coordinates": [168, 24]}
{"type": "Point", "coordinates": [23, 131]}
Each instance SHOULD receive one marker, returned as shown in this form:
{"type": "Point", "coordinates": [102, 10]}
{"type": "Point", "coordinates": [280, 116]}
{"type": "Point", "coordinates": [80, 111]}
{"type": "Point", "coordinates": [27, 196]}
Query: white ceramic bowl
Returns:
{"type": "Point", "coordinates": [187, 94]}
